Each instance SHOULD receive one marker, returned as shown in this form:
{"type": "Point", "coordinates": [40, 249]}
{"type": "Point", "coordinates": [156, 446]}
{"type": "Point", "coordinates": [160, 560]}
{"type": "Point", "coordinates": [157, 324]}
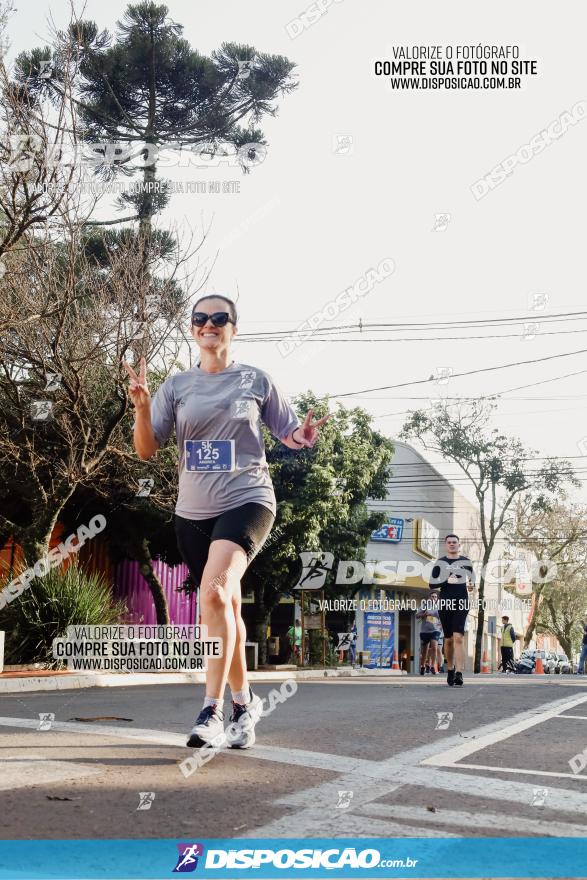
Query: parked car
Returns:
{"type": "Point", "coordinates": [564, 666]}
{"type": "Point", "coordinates": [525, 664]}
{"type": "Point", "coordinates": [548, 659]}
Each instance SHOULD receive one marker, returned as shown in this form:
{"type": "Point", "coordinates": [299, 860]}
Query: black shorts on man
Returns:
{"type": "Point", "coordinates": [453, 602]}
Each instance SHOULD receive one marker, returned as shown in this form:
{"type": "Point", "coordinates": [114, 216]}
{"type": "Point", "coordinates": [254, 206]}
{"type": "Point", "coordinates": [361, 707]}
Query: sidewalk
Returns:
{"type": "Point", "coordinates": [18, 681]}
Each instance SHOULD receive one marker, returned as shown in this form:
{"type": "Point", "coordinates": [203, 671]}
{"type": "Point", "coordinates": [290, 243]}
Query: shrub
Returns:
{"type": "Point", "coordinates": [48, 606]}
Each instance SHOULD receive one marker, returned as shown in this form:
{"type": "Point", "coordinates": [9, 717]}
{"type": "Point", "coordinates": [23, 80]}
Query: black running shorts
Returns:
{"type": "Point", "coordinates": [453, 621]}
{"type": "Point", "coordinates": [248, 526]}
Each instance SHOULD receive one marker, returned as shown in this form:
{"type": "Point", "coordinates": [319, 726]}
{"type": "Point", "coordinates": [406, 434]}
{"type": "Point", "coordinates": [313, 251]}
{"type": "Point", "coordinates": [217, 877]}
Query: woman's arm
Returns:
{"type": "Point", "coordinates": [146, 444]}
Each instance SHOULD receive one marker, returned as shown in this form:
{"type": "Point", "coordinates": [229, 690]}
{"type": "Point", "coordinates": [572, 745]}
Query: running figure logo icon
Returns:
{"type": "Point", "coordinates": [244, 69]}
{"type": "Point", "coordinates": [344, 799]}
{"type": "Point", "coordinates": [146, 799]}
{"type": "Point", "coordinates": [41, 410]}
{"type": "Point", "coordinates": [241, 409]}
{"type": "Point", "coordinates": [53, 381]}
{"type": "Point", "coordinates": [187, 860]}
{"type": "Point", "coordinates": [315, 567]}
{"type": "Point", "coordinates": [46, 719]}
{"type": "Point", "coordinates": [444, 719]}
{"type": "Point", "coordinates": [539, 797]}
{"type": "Point", "coordinates": [145, 486]}
{"type": "Point", "coordinates": [247, 377]}
{"type": "Point", "coordinates": [441, 222]}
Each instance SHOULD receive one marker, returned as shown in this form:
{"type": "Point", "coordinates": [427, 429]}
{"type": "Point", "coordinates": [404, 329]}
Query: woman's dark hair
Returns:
{"type": "Point", "coordinates": [231, 306]}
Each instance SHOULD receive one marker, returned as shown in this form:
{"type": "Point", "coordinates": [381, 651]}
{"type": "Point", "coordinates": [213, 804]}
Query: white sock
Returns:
{"type": "Point", "coordinates": [243, 698]}
{"type": "Point", "coordinates": [213, 701]}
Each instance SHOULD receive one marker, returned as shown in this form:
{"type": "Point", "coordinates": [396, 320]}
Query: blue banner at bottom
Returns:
{"type": "Point", "coordinates": [292, 857]}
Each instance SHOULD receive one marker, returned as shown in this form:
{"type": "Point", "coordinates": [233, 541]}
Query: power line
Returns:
{"type": "Point", "coordinates": [468, 323]}
{"type": "Point", "coordinates": [506, 415]}
{"type": "Point", "coordinates": [396, 339]}
{"type": "Point", "coordinates": [494, 396]}
{"type": "Point", "coordinates": [544, 381]}
{"type": "Point", "coordinates": [466, 373]}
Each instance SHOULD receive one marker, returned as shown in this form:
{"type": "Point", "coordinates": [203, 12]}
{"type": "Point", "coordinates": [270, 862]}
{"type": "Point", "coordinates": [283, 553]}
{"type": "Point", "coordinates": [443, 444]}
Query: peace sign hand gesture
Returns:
{"type": "Point", "coordinates": [138, 390]}
{"type": "Point", "coordinates": [307, 432]}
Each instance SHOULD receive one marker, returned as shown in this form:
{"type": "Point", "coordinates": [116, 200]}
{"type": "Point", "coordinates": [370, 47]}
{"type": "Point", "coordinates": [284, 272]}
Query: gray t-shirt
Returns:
{"type": "Point", "coordinates": [229, 407]}
{"type": "Point", "coordinates": [430, 620]}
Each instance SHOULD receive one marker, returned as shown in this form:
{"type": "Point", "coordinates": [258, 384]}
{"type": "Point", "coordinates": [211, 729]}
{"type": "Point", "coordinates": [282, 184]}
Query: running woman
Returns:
{"type": "Point", "coordinates": [226, 503]}
{"type": "Point", "coordinates": [454, 577]}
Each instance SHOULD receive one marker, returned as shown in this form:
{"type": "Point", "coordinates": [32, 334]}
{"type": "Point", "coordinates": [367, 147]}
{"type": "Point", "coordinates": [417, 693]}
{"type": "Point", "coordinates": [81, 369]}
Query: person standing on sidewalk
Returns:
{"type": "Point", "coordinates": [508, 639]}
{"type": "Point", "coordinates": [583, 657]}
{"type": "Point", "coordinates": [454, 578]}
{"type": "Point", "coordinates": [226, 504]}
{"type": "Point", "coordinates": [294, 637]}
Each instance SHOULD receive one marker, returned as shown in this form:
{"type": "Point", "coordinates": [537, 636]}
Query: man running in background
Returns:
{"type": "Point", "coordinates": [453, 576]}
{"type": "Point", "coordinates": [429, 634]}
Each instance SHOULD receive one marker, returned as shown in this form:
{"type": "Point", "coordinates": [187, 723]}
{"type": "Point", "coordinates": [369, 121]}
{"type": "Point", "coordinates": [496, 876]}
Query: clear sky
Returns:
{"type": "Point", "coordinates": [312, 218]}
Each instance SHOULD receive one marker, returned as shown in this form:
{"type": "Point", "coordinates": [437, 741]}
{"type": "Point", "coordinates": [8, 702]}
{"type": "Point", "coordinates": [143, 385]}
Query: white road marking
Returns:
{"type": "Point", "coordinates": [580, 717]}
{"type": "Point", "coordinates": [318, 760]}
{"type": "Point", "coordinates": [481, 819]}
{"type": "Point", "coordinates": [520, 771]}
{"type": "Point", "coordinates": [562, 799]}
{"type": "Point", "coordinates": [325, 795]}
{"type": "Point", "coordinates": [313, 810]}
{"type": "Point", "coordinates": [307, 816]}
{"type": "Point", "coordinates": [22, 772]}
{"type": "Point", "coordinates": [300, 757]}
{"type": "Point", "coordinates": [346, 824]}
{"type": "Point", "coordinates": [159, 737]}
{"type": "Point", "coordinates": [453, 756]}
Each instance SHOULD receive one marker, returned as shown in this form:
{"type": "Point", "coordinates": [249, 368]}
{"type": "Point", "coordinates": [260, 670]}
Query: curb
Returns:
{"type": "Point", "coordinates": [66, 682]}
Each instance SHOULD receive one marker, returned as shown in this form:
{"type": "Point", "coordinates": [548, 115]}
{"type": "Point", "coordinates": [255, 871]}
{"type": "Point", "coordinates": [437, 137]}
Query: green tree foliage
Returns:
{"type": "Point", "coordinates": [556, 536]}
{"type": "Point", "coordinates": [321, 503]}
{"type": "Point", "coordinates": [145, 88]}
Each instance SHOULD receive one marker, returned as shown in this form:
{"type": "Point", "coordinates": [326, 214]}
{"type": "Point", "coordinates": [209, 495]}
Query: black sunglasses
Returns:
{"type": "Point", "coordinates": [219, 319]}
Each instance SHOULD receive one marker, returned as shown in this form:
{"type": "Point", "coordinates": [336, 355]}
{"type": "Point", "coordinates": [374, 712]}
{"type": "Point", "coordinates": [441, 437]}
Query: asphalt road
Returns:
{"type": "Point", "coordinates": [347, 757]}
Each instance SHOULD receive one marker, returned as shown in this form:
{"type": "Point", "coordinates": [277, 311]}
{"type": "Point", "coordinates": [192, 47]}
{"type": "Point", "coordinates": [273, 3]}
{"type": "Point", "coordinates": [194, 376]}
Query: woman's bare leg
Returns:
{"type": "Point", "coordinates": [459, 651]}
{"type": "Point", "coordinates": [237, 674]}
{"type": "Point", "coordinates": [227, 562]}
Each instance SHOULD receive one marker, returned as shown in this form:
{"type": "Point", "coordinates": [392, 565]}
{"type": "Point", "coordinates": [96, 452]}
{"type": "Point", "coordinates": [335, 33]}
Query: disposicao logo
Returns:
{"type": "Point", "coordinates": [236, 859]}
{"type": "Point", "coordinates": [187, 860]}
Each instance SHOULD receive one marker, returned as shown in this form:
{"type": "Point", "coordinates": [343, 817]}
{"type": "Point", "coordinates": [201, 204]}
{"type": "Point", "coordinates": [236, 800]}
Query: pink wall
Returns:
{"type": "Point", "coordinates": [131, 587]}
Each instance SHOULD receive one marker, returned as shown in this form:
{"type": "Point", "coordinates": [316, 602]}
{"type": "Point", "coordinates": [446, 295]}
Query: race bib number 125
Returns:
{"type": "Point", "coordinates": [209, 455]}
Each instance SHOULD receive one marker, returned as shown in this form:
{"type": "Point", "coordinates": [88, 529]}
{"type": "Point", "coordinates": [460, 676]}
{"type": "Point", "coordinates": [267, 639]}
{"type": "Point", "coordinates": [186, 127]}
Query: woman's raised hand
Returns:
{"type": "Point", "coordinates": [138, 390]}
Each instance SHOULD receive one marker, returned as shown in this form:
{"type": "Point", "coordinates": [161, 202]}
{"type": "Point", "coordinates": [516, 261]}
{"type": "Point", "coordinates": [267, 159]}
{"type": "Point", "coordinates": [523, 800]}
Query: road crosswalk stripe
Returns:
{"type": "Point", "coordinates": [308, 812]}
{"type": "Point", "coordinates": [476, 743]}
{"type": "Point", "coordinates": [520, 771]}
{"type": "Point", "coordinates": [22, 772]}
{"type": "Point", "coordinates": [345, 824]}
{"type": "Point", "coordinates": [480, 819]}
